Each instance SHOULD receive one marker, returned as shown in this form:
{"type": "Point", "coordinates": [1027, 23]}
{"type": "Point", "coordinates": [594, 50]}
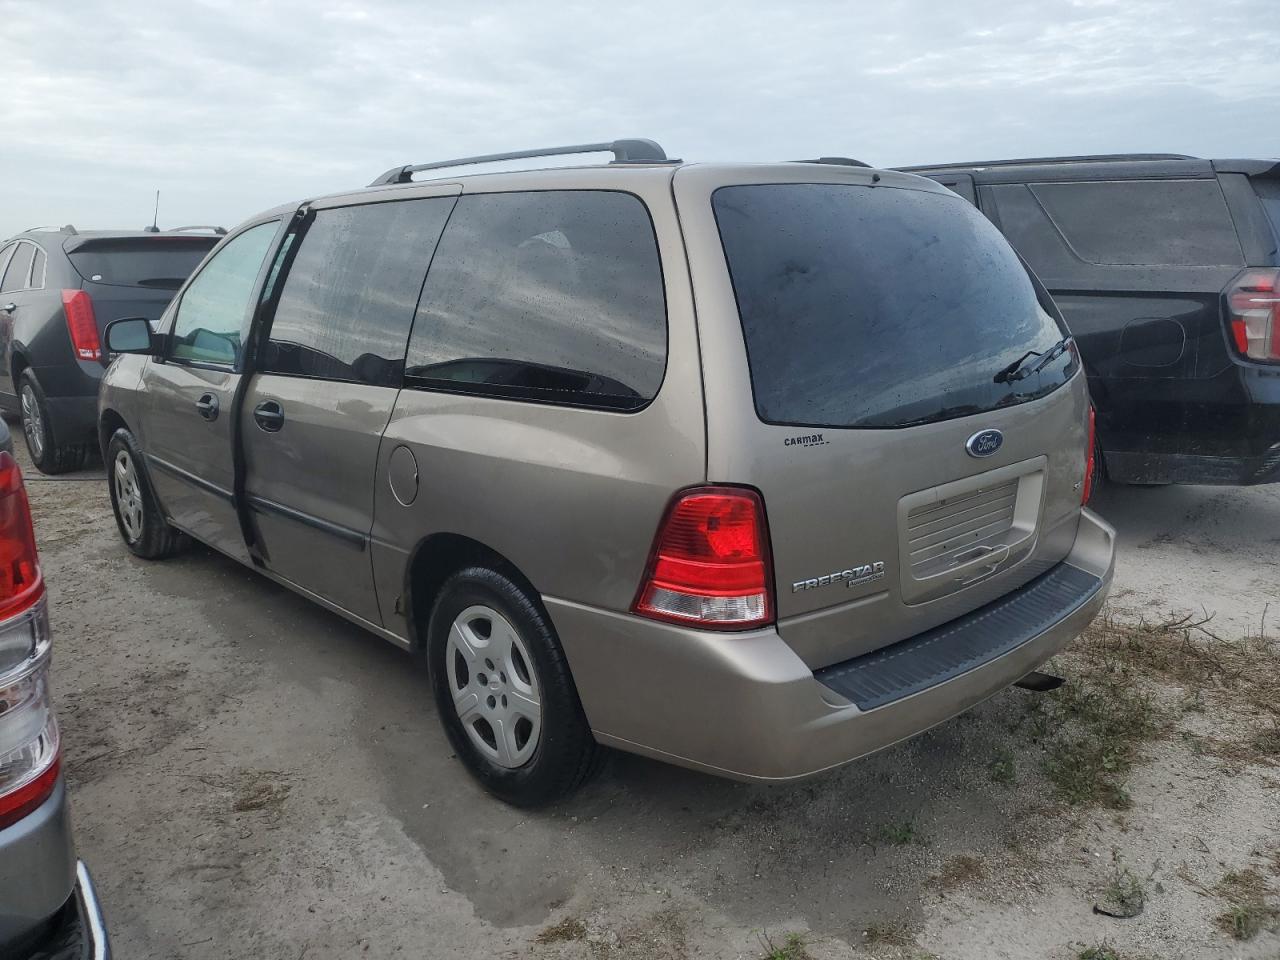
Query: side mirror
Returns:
{"type": "Point", "coordinates": [130, 335]}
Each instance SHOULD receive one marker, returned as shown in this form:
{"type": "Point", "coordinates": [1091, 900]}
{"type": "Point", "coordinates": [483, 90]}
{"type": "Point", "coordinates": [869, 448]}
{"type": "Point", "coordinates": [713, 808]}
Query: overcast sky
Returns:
{"type": "Point", "coordinates": [231, 107]}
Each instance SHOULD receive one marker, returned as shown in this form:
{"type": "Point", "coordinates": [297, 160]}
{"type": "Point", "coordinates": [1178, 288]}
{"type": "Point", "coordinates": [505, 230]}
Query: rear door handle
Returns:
{"type": "Point", "coordinates": [269, 415]}
{"type": "Point", "coordinates": [9, 307]}
{"type": "Point", "coordinates": [207, 406]}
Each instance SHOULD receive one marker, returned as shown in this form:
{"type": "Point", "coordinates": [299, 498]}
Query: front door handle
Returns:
{"type": "Point", "coordinates": [9, 307]}
{"type": "Point", "coordinates": [269, 415]}
{"type": "Point", "coordinates": [207, 406]}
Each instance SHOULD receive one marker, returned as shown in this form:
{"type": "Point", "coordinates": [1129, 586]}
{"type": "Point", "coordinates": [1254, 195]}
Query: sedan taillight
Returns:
{"type": "Point", "coordinates": [29, 741]}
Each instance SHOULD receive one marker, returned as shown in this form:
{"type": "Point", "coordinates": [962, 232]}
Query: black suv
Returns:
{"type": "Point", "coordinates": [59, 288]}
{"type": "Point", "coordinates": [1166, 269]}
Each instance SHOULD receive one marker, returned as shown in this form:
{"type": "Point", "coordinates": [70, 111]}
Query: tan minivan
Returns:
{"type": "Point", "coordinates": [753, 468]}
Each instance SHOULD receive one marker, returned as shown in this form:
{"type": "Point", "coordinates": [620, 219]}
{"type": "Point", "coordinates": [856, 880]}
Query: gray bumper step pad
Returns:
{"type": "Point", "coordinates": [945, 652]}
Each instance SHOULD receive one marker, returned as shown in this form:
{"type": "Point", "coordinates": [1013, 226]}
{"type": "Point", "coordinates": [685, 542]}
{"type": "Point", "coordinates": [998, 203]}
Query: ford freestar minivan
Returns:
{"type": "Point", "coordinates": [751, 468]}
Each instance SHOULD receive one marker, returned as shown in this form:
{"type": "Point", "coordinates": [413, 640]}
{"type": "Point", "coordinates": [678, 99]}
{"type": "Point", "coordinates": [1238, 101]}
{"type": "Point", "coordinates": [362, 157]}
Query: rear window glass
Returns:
{"type": "Point", "coordinates": [160, 262]}
{"type": "Point", "coordinates": [349, 297]}
{"type": "Point", "coordinates": [1144, 222]}
{"type": "Point", "coordinates": [879, 307]}
{"type": "Point", "coordinates": [554, 296]}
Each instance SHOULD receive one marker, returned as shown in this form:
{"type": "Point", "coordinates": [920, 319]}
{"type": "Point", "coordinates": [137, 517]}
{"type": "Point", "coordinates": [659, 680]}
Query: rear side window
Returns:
{"type": "Point", "coordinates": [1143, 222]}
{"type": "Point", "coordinates": [554, 296]}
{"type": "Point", "coordinates": [15, 277]}
{"type": "Point", "coordinates": [208, 324]}
{"type": "Point", "coordinates": [879, 307]}
{"type": "Point", "coordinates": [1269, 193]}
{"type": "Point", "coordinates": [37, 270]}
{"type": "Point", "coordinates": [348, 299]}
{"type": "Point", "coordinates": [160, 262]}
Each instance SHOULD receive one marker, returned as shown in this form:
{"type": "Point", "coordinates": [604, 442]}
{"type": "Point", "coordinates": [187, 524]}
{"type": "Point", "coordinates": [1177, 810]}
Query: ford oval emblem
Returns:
{"type": "Point", "coordinates": [984, 443]}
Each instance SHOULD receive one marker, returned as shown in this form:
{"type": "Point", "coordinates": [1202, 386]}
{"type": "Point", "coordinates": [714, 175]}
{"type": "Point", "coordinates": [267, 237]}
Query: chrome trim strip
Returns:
{"type": "Point", "coordinates": [98, 944]}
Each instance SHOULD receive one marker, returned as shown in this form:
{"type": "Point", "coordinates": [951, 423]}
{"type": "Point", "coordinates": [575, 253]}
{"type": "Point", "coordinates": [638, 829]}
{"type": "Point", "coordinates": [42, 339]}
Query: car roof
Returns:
{"type": "Point", "coordinates": [622, 176]}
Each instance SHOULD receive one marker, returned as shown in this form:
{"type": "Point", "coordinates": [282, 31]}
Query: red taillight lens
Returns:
{"type": "Point", "coordinates": [20, 581]}
{"type": "Point", "coordinates": [710, 565]}
{"type": "Point", "coordinates": [1090, 458]}
{"type": "Point", "coordinates": [29, 741]}
{"type": "Point", "coordinates": [82, 324]}
{"type": "Point", "coordinates": [1253, 302]}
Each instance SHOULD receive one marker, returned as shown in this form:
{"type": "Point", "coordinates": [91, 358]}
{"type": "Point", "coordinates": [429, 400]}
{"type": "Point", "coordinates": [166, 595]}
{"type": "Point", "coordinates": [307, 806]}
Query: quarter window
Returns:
{"type": "Point", "coordinates": [553, 296]}
{"type": "Point", "coordinates": [348, 299]}
{"type": "Point", "coordinates": [15, 277]}
{"type": "Point", "coordinates": [208, 326]}
{"type": "Point", "coordinates": [37, 270]}
{"type": "Point", "coordinates": [1143, 222]}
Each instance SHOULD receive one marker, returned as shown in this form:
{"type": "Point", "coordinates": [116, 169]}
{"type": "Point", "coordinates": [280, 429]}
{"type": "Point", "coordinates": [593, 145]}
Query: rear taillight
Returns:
{"type": "Point", "coordinates": [83, 326]}
{"type": "Point", "coordinates": [1090, 458]}
{"type": "Point", "coordinates": [1253, 302]}
{"type": "Point", "coordinates": [29, 745]}
{"type": "Point", "coordinates": [710, 565]}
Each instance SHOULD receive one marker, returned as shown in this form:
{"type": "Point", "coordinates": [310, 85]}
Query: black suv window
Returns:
{"type": "Point", "coordinates": [1269, 192]}
{"type": "Point", "coordinates": [880, 307]}
{"type": "Point", "coordinates": [348, 299]}
{"type": "Point", "coordinates": [1143, 222]}
{"type": "Point", "coordinates": [162, 262]}
{"type": "Point", "coordinates": [554, 296]}
{"type": "Point", "coordinates": [37, 270]}
{"type": "Point", "coordinates": [15, 278]}
{"type": "Point", "coordinates": [208, 326]}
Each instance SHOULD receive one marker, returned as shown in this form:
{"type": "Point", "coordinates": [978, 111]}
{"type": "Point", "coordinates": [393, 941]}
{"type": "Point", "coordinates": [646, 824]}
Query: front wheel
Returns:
{"type": "Point", "coordinates": [143, 527]}
{"type": "Point", "coordinates": [502, 685]}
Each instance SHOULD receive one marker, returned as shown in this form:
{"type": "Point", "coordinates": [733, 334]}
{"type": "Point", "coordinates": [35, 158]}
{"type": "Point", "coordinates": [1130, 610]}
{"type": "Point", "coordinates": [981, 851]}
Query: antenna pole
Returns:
{"type": "Point", "coordinates": [156, 218]}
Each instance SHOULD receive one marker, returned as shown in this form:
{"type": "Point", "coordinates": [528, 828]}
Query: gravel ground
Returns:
{"type": "Point", "coordinates": [254, 777]}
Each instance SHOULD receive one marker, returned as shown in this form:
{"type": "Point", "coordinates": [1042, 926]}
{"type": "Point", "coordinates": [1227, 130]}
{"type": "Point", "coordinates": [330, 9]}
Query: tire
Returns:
{"type": "Point", "coordinates": [503, 688]}
{"type": "Point", "coordinates": [49, 452]}
{"type": "Point", "coordinates": [142, 525]}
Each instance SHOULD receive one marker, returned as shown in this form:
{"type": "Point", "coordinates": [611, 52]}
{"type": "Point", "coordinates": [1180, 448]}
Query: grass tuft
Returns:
{"type": "Point", "coordinates": [1248, 909]}
{"type": "Point", "coordinates": [566, 931]}
{"type": "Point", "coordinates": [900, 833]}
{"type": "Point", "coordinates": [792, 948]}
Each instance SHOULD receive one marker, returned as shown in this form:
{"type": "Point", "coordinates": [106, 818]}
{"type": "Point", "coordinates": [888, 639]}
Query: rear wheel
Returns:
{"type": "Point", "coordinates": [142, 526]}
{"type": "Point", "coordinates": [49, 452]}
{"type": "Point", "coordinates": [504, 692]}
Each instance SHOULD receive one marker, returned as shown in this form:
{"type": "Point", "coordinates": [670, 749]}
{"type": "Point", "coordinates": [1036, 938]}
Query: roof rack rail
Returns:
{"type": "Point", "coordinates": [220, 231]}
{"type": "Point", "coordinates": [624, 151]}
{"type": "Point", "coordinates": [837, 161]}
{"type": "Point", "coordinates": [65, 228]}
{"type": "Point", "coordinates": [1029, 161]}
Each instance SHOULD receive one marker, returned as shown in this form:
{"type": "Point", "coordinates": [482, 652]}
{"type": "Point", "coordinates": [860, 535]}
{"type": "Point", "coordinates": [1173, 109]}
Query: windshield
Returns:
{"type": "Point", "coordinates": [160, 262]}
{"type": "Point", "coordinates": [881, 307]}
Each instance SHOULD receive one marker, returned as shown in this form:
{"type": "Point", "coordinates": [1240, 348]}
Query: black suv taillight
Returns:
{"type": "Point", "coordinates": [1253, 303]}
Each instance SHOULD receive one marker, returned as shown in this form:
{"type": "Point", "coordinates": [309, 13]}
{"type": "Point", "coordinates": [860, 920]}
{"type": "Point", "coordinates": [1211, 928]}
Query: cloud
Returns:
{"type": "Point", "coordinates": [229, 107]}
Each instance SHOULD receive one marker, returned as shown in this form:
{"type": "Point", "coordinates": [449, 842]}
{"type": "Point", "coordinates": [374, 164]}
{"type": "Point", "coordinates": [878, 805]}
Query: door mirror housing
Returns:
{"type": "Point", "coordinates": [131, 335]}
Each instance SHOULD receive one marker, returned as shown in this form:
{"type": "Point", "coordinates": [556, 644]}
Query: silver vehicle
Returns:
{"type": "Point", "coordinates": [750, 468]}
{"type": "Point", "coordinates": [48, 907]}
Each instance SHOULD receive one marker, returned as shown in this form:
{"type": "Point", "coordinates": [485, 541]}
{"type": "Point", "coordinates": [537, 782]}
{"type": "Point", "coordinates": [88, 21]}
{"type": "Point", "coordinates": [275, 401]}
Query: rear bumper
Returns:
{"type": "Point", "coordinates": [77, 932]}
{"type": "Point", "coordinates": [745, 706]}
{"type": "Point", "coordinates": [37, 870]}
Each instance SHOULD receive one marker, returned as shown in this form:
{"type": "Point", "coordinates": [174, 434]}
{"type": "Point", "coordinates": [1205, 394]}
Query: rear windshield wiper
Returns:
{"type": "Point", "coordinates": [1015, 371]}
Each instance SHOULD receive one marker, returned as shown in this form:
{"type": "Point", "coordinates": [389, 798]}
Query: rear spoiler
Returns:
{"type": "Point", "coordinates": [82, 242]}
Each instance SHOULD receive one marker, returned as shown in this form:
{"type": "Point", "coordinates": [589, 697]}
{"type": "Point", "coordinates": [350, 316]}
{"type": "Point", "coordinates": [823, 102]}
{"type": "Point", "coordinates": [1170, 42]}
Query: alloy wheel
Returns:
{"type": "Point", "coordinates": [494, 687]}
{"type": "Point", "coordinates": [32, 422]}
{"type": "Point", "coordinates": [128, 495]}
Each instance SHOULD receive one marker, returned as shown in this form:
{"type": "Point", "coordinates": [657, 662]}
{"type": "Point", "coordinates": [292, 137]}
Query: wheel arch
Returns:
{"type": "Point", "coordinates": [433, 561]}
{"type": "Point", "coordinates": [18, 361]}
{"type": "Point", "coordinates": [109, 421]}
